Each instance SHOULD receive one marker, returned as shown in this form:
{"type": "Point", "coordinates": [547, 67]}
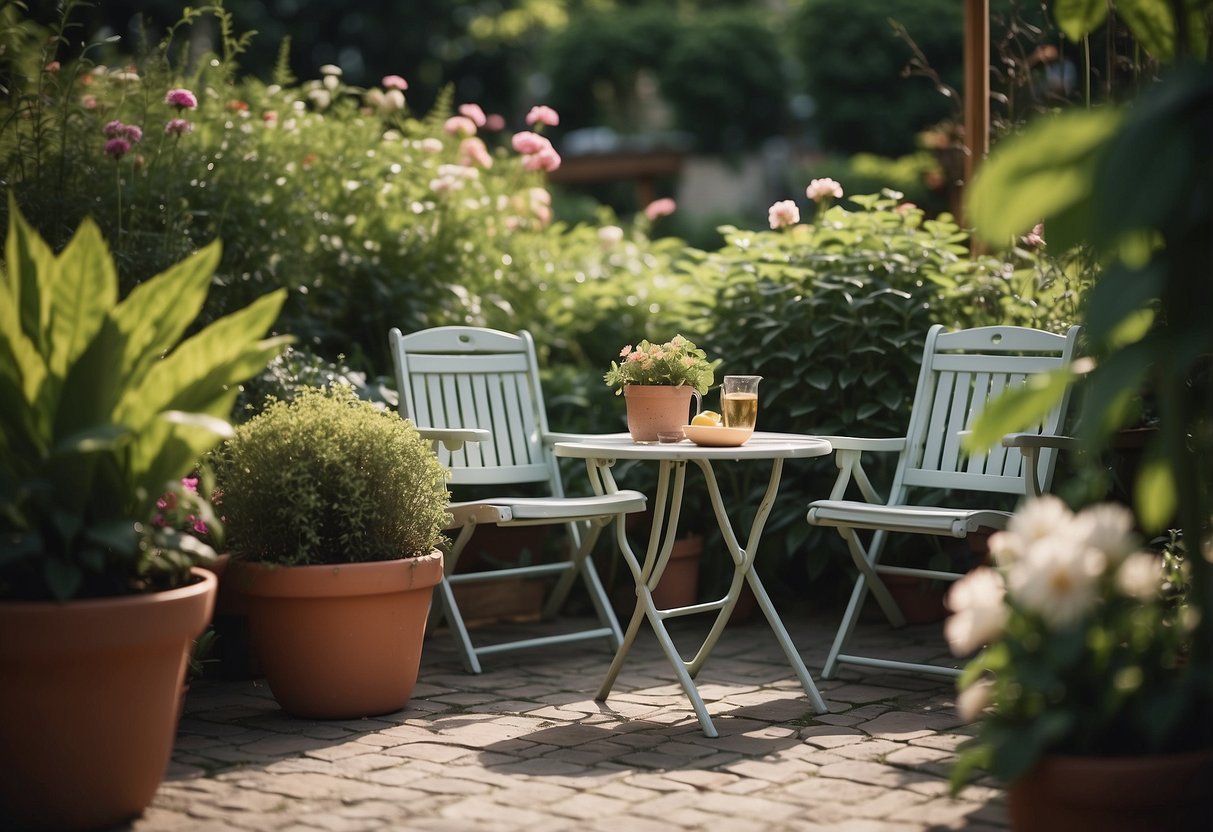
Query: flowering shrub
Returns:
{"type": "Point", "coordinates": [1082, 639]}
{"type": "Point", "coordinates": [674, 363]}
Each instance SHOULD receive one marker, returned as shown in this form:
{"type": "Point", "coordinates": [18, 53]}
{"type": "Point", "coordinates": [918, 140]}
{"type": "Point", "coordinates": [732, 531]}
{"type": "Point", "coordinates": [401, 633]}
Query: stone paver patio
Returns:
{"type": "Point", "coordinates": [525, 746]}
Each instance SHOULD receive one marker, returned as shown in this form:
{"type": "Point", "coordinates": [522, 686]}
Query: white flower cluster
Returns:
{"type": "Point", "coordinates": [1054, 564]}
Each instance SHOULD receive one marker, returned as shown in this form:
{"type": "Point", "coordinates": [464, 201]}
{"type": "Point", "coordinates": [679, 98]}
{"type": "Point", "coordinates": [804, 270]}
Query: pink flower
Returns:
{"type": "Point", "coordinates": [494, 122]}
{"type": "Point", "coordinates": [113, 129]}
{"type": "Point", "coordinates": [394, 82]}
{"type": "Point", "coordinates": [132, 133]}
{"type": "Point", "coordinates": [190, 484]}
{"type": "Point", "coordinates": [52, 67]}
{"type": "Point", "coordinates": [460, 126]}
{"type": "Point", "coordinates": [473, 112]}
{"type": "Point", "coordinates": [526, 142]}
{"type": "Point", "coordinates": [542, 114]}
{"type": "Point", "coordinates": [182, 99]}
{"type": "Point", "coordinates": [177, 127]}
{"type": "Point", "coordinates": [626, 351]}
{"type": "Point", "coordinates": [820, 189]}
{"type": "Point", "coordinates": [660, 208]}
{"type": "Point", "coordinates": [89, 102]}
{"type": "Point", "coordinates": [783, 214]}
{"type": "Point", "coordinates": [473, 152]}
{"type": "Point", "coordinates": [546, 160]}
{"type": "Point", "coordinates": [117, 147]}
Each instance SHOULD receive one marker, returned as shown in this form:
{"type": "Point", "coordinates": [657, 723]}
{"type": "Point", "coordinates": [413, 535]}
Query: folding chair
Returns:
{"type": "Point", "coordinates": [961, 372]}
{"type": "Point", "coordinates": [476, 394]}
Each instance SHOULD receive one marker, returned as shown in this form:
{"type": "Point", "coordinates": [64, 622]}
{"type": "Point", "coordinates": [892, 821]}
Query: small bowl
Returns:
{"type": "Point", "coordinates": [714, 436]}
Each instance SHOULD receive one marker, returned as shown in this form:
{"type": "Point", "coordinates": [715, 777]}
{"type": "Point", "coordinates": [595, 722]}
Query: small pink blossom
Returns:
{"type": "Point", "coordinates": [626, 351]}
{"type": "Point", "coordinates": [52, 67]}
{"type": "Point", "coordinates": [132, 133]}
{"type": "Point", "coordinates": [460, 126]}
{"type": "Point", "coordinates": [177, 127]}
{"type": "Point", "coordinates": [269, 117]}
{"type": "Point", "coordinates": [660, 208]}
{"type": "Point", "coordinates": [474, 112]}
{"type": "Point", "coordinates": [394, 82]}
{"type": "Point", "coordinates": [527, 142]}
{"type": "Point", "coordinates": [820, 189]}
{"type": "Point", "coordinates": [89, 102]}
{"type": "Point", "coordinates": [113, 129]}
{"type": "Point", "coordinates": [546, 160]}
{"type": "Point", "coordinates": [182, 99]}
{"type": "Point", "coordinates": [117, 148]}
{"type": "Point", "coordinates": [472, 151]}
{"type": "Point", "coordinates": [541, 114]}
{"type": "Point", "coordinates": [783, 214]}
{"type": "Point", "coordinates": [494, 122]}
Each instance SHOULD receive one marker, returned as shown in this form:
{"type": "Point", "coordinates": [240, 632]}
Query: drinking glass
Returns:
{"type": "Point", "coordinates": [739, 401]}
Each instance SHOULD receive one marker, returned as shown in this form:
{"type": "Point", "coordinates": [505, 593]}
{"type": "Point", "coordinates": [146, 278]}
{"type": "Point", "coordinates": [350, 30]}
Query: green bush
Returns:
{"type": "Point", "coordinates": [328, 478]}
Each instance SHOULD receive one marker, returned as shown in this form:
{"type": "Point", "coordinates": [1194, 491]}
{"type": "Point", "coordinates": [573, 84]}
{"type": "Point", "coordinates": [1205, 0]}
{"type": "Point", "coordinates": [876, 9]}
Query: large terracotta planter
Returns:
{"type": "Point", "coordinates": [1115, 794]}
{"type": "Point", "coordinates": [679, 584]}
{"type": "Point", "coordinates": [655, 408]}
{"type": "Point", "coordinates": [90, 693]}
{"type": "Point", "coordinates": [339, 641]}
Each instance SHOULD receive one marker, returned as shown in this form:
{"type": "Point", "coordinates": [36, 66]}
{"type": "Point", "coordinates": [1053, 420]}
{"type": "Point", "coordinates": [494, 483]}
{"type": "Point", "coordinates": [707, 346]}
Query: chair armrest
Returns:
{"type": "Point", "coordinates": [453, 438]}
{"type": "Point", "coordinates": [848, 456]}
{"type": "Point", "coordinates": [1039, 440]}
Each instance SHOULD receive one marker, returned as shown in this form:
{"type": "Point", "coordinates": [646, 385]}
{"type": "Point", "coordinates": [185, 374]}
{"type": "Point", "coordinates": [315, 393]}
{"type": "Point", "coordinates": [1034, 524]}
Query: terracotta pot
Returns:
{"type": "Point", "coordinates": [339, 641]}
{"type": "Point", "coordinates": [921, 600]}
{"type": "Point", "coordinates": [90, 693]}
{"type": "Point", "coordinates": [679, 584]}
{"type": "Point", "coordinates": [655, 408]}
{"type": "Point", "coordinates": [1115, 794]}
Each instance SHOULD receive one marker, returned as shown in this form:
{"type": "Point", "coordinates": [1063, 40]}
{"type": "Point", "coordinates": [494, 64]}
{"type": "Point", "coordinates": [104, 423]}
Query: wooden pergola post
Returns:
{"type": "Point", "coordinates": [976, 85]}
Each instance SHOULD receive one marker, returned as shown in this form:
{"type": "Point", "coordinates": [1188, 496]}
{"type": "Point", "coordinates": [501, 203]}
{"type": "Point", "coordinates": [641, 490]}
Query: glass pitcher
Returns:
{"type": "Point", "coordinates": [739, 401]}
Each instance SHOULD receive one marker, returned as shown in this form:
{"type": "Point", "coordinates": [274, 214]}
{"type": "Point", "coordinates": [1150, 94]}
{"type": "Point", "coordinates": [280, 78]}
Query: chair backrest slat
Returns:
{"type": "Point", "coordinates": [469, 377]}
{"type": "Point", "coordinates": [961, 372]}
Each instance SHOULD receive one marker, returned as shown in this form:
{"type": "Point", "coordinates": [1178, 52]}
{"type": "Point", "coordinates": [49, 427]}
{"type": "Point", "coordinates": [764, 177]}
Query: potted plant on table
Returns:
{"type": "Point", "coordinates": [333, 509]}
{"type": "Point", "coordinates": [658, 381]}
{"type": "Point", "coordinates": [105, 404]}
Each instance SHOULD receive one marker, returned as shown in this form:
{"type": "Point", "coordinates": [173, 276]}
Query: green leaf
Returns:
{"type": "Point", "coordinates": [1077, 18]}
{"type": "Point", "coordinates": [31, 277]}
{"type": "Point", "coordinates": [1151, 24]}
{"type": "Point", "coordinates": [1119, 296]}
{"type": "Point", "coordinates": [1154, 495]}
{"type": "Point", "coordinates": [86, 289]}
{"type": "Point", "coordinates": [62, 577]}
{"type": "Point", "coordinates": [1019, 408]}
{"type": "Point", "coordinates": [1045, 173]}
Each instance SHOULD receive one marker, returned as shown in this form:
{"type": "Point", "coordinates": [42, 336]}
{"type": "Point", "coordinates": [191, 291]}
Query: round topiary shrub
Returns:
{"type": "Point", "coordinates": [327, 478]}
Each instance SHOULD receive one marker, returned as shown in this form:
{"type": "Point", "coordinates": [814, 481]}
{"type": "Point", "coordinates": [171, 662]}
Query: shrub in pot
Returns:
{"type": "Point", "coordinates": [333, 509]}
{"type": "Point", "coordinates": [106, 405]}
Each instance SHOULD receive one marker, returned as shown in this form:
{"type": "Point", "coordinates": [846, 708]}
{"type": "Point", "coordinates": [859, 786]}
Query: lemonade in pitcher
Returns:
{"type": "Point", "coordinates": [739, 401]}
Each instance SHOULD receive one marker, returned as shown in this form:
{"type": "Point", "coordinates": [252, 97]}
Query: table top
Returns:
{"type": "Point", "coordinates": [762, 445]}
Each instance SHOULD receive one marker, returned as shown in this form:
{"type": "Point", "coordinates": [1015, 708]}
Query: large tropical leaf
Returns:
{"type": "Point", "coordinates": [84, 291]}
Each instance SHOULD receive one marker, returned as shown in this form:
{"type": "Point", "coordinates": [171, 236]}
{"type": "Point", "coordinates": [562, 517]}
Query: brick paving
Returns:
{"type": "Point", "coordinates": [524, 746]}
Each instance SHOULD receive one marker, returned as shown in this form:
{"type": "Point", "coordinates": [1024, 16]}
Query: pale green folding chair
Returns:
{"type": "Point", "coordinates": [961, 372]}
{"type": "Point", "coordinates": [475, 392]}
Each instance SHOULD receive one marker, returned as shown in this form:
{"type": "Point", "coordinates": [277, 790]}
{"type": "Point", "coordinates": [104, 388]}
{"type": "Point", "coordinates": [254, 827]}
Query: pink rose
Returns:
{"type": "Point", "coordinates": [494, 122]}
{"type": "Point", "coordinates": [473, 112]}
{"type": "Point", "coordinates": [542, 114]}
{"type": "Point", "coordinates": [820, 189]}
{"type": "Point", "coordinates": [527, 143]}
{"type": "Point", "coordinates": [546, 160]}
{"type": "Point", "coordinates": [394, 82]}
{"type": "Point", "coordinates": [782, 214]}
{"type": "Point", "coordinates": [472, 151]}
{"type": "Point", "coordinates": [660, 208]}
{"type": "Point", "coordinates": [460, 126]}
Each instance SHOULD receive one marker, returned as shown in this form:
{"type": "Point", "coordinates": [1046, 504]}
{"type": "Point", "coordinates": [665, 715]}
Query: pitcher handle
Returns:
{"type": "Point", "coordinates": [698, 401]}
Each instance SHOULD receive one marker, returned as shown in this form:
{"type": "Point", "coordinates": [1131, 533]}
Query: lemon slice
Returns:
{"type": "Point", "coordinates": [708, 418]}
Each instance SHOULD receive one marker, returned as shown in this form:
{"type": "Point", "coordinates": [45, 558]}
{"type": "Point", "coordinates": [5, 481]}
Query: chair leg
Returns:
{"type": "Point", "coordinates": [849, 619]}
{"type": "Point", "coordinates": [463, 641]}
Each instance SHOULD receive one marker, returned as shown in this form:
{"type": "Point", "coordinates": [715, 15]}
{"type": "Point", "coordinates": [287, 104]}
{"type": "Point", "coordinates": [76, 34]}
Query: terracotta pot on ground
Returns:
{"type": "Point", "coordinates": [921, 600]}
{"type": "Point", "coordinates": [1115, 794]}
{"type": "Point", "coordinates": [679, 584]}
{"type": "Point", "coordinates": [655, 408]}
{"type": "Point", "coordinates": [90, 693]}
{"type": "Point", "coordinates": [340, 641]}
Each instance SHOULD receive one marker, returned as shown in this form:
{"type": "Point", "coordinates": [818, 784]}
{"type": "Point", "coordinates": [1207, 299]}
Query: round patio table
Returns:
{"type": "Point", "coordinates": [601, 452]}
